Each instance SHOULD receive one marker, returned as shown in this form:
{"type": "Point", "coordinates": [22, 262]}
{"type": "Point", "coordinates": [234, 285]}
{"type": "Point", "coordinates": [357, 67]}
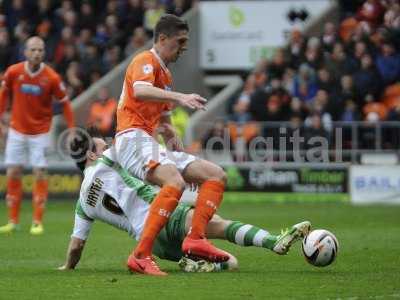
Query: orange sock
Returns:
{"type": "Point", "coordinates": [160, 210]}
{"type": "Point", "coordinates": [13, 198]}
{"type": "Point", "coordinates": [39, 198]}
{"type": "Point", "coordinates": [208, 200]}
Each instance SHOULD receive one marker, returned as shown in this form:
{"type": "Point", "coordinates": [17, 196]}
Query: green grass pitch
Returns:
{"type": "Point", "coordinates": [367, 267]}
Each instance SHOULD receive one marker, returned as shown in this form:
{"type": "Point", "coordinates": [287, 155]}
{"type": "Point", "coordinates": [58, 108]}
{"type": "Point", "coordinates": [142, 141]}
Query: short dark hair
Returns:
{"type": "Point", "coordinates": [169, 25]}
{"type": "Point", "coordinates": [83, 142]}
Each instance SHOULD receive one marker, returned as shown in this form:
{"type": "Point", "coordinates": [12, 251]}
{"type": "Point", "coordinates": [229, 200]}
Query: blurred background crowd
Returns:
{"type": "Point", "coordinates": [351, 72]}
{"type": "Point", "coordinates": [81, 43]}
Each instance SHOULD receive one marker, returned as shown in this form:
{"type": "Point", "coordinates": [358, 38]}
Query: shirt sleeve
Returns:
{"type": "Point", "coordinates": [59, 90]}
{"type": "Point", "coordinates": [142, 71]}
{"type": "Point", "coordinates": [7, 79]}
{"type": "Point", "coordinates": [5, 89]}
{"type": "Point", "coordinates": [81, 228]}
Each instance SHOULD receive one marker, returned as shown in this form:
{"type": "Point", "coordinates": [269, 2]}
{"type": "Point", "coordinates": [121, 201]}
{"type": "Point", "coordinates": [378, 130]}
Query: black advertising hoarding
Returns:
{"type": "Point", "coordinates": [288, 180]}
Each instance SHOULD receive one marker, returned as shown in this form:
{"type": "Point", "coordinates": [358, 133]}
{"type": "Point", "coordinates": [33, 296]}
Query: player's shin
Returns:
{"type": "Point", "coordinates": [14, 198]}
{"type": "Point", "coordinates": [209, 199]}
{"type": "Point", "coordinates": [39, 198]}
{"type": "Point", "coordinates": [160, 210]}
{"type": "Point", "coordinates": [249, 235]}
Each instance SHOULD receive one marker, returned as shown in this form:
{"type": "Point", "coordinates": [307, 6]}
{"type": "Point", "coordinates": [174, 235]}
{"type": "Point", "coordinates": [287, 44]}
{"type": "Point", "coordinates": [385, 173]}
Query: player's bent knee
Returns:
{"type": "Point", "coordinates": [40, 173]}
{"type": "Point", "coordinates": [218, 174]}
{"type": "Point", "coordinates": [222, 175]}
{"type": "Point", "coordinates": [176, 181]}
{"type": "Point", "coordinates": [166, 175]}
{"type": "Point", "coordinates": [14, 172]}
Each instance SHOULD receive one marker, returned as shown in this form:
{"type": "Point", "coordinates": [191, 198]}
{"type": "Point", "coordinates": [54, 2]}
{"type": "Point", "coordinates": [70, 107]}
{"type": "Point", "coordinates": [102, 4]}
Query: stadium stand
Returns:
{"type": "Point", "coordinates": [350, 72]}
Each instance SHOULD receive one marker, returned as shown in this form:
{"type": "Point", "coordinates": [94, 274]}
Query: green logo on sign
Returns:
{"type": "Point", "coordinates": [236, 16]}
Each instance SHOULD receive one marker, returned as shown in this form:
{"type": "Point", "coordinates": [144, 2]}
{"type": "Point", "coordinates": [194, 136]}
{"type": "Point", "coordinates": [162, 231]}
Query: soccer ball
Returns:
{"type": "Point", "coordinates": [320, 247]}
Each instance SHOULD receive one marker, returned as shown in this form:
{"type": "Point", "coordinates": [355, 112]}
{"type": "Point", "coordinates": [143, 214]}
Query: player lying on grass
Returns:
{"type": "Point", "coordinates": [110, 194]}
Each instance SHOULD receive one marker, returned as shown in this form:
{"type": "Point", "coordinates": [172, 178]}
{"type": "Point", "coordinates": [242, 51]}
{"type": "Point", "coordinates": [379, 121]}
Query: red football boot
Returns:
{"type": "Point", "coordinates": [203, 249]}
{"type": "Point", "coordinates": [145, 265]}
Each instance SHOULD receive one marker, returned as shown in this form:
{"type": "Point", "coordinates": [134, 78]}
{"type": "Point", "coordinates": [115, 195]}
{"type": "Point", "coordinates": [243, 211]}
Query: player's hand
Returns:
{"type": "Point", "coordinates": [171, 139]}
{"type": "Point", "coordinates": [4, 120]}
{"type": "Point", "coordinates": [175, 144]}
{"type": "Point", "coordinates": [3, 129]}
{"type": "Point", "coordinates": [192, 101]}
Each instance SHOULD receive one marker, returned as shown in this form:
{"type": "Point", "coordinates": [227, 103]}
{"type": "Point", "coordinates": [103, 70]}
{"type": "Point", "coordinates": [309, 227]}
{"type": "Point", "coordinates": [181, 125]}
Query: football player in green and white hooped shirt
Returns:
{"type": "Point", "coordinates": [110, 194]}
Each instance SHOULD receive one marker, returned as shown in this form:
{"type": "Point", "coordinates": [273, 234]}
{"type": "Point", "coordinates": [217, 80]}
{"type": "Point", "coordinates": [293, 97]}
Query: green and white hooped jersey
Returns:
{"type": "Point", "coordinates": [110, 194]}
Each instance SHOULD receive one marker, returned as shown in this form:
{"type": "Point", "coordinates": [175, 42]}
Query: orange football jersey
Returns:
{"type": "Point", "coordinates": [32, 97]}
{"type": "Point", "coordinates": [145, 68]}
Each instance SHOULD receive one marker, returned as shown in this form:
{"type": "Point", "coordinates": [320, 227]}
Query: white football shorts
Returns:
{"type": "Point", "coordinates": [138, 152]}
{"type": "Point", "coordinates": [20, 146]}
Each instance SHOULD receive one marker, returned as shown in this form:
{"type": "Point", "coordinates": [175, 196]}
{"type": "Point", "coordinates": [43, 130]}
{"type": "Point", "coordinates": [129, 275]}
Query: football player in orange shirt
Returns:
{"type": "Point", "coordinates": [143, 111]}
{"type": "Point", "coordinates": [32, 86]}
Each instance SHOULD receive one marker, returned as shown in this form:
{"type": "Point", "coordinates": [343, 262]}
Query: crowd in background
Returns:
{"type": "Point", "coordinates": [351, 72]}
{"type": "Point", "coordinates": [84, 39]}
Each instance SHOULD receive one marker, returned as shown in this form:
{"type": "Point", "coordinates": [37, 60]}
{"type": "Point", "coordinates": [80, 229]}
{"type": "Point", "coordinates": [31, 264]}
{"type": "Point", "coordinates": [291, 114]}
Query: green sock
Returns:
{"type": "Point", "coordinates": [219, 267]}
{"type": "Point", "coordinates": [249, 235]}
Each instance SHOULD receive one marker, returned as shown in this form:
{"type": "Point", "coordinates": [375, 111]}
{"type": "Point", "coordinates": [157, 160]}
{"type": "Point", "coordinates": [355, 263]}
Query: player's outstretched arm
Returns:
{"type": "Point", "coordinates": [147, 92]}
{"type": "Point", "coordinates": [74, 253]}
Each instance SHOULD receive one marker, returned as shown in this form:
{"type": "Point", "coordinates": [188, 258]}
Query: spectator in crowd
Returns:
{"type": "Point", "coordinates": [5, 50]}
{"type": "Point", "coordinates": [347, 91]}
{"type": "Point", "coordinates": [391, 134]}
{"type": "Point", "coordinates": [111, 57]}
{"type": "Point", "coordinates": [241, 112]}
{"type": "Point", "coordinates": [339, 62]}
{"type": "Point", "coordinates": [297, 108]}
{"type": "Point", "coordinates": [304, 85]}
{"type": "Point", "coordinates": [178, 7]}
{"type": "Point", "coordinates": [313, 54]}
{"type": "Point", "coordinates": [136, 41]}
{"type": "Point", "coordinates": [102, 113]}
{"type": "Point", "coordinates": [296, 48]}
{"type": "Point", "coordinates": [295, 135]}
{"type": "Point", "coordinates": [69, 55]}
{"type": "Point", "coordinates": [74, 79]}
{"type": "Point", "coordinates": [315, 130]}
{"type": "Point", "coordinates": [134, 15]}
{"type": "Point", "coordinates": [217, 137]}
{"type": "Point", "coordinates": [350, 112]}
{"type": "Point", "coordinates": [319, 105]}
{"type": "Point", "coordinates": [154, 10]}
{"type": "Point", "coordinates": [329, 37]}
{"type": "Point", "coordinates": [388, 63]}
{"type": "Point", "coordinates": [87, 19]}
{"type": "Point", "coordinates": [371, 11]}
{"type": "Point", "coordinates": [67, 38]}
{"type": "Point", "coordinates": [367, 79]}
{"type": "Point", "coordinates": [278, 65]}
{"type": "Point", "coordinates": [326, 82]}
